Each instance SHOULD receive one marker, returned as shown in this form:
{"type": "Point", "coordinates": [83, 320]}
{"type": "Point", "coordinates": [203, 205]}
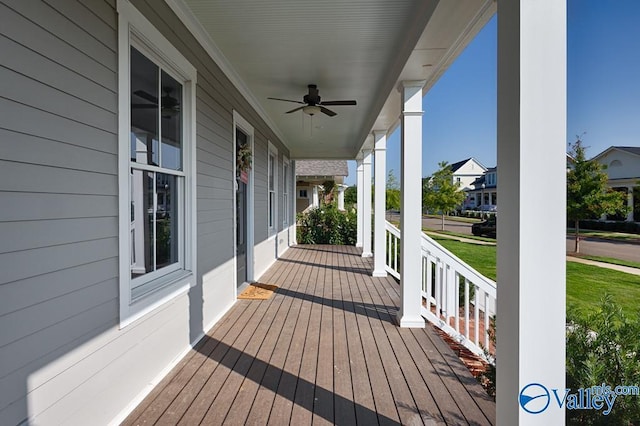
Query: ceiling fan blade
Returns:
{"type": "Point", "coordinates": [327, 111]}
{"type": "Point", "coordinates": [144, 106]}
{"type": "Point", "coordinates": [287, 100]}
{"type": "Point", "coordinates": [147, 96]}
{"type": "Point", "coordinates": [295, 109]}
{"type": "Point", "coordinates": [339, 103]}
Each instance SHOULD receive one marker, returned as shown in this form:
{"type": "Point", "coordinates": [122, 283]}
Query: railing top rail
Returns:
{"type": "Point", "coordinates": [392, 229]}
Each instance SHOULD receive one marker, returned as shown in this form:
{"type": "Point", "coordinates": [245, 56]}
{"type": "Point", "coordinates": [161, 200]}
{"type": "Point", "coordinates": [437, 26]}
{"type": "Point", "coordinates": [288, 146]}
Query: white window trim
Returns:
{"type": "Point", "coordinates": [286, 190]}
{"type": "Point", "coordinates": [240, 123]}
{"type": "Point", "coordinates": [134, 28]}
{"type": "Point", "coordinates": [272, 150]}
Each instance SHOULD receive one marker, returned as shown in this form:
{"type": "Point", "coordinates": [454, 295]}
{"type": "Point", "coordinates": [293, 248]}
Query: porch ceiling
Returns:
{"type": "Point", "coordinates": [352, 50]}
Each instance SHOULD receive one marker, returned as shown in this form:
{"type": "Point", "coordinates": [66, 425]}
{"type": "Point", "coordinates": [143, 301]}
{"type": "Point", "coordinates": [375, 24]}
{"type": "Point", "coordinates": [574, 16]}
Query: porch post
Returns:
{"type": "Point", "coordinates": [531, 264]}
{"type": "Point", "coordinates": [630, 203]}
{"type": "Point", "coordinates": [315, 202]}
{"type": "Point", "coordinates": [411, 205]}
{"type": "Point", "coordinates": [341, 189]}
{"type": "Point", "coordinates": [366, 203]}
{"type": "Point", "coordinates": [380, 233]}
{"type": "Point", "coordinates": [293, 206]}
{"type": "Point", "coordinates": [359, 170]}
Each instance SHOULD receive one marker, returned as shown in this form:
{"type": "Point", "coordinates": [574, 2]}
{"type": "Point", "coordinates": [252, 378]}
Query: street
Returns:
{"type": "Point", "coordinates": [588, 246]}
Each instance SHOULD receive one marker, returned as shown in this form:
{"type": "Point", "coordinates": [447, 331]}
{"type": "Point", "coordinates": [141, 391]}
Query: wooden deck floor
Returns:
{"type": "Point", "coordinates": [325, 349]}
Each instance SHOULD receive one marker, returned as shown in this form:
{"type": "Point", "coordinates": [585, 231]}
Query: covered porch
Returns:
{"type": "Point", "coordinates": [325, 348]}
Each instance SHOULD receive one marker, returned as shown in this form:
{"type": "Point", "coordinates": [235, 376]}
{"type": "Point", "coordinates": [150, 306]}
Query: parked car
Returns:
{"type": "Point", "coordinates": [486, 228]}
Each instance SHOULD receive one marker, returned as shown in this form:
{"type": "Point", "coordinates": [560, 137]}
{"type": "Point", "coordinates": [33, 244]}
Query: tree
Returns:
{"type": "Point", "coordinates": [351, 196]}
{"type": "Point", "coordinates": [392, 192]}
{"type": "Point", "coordinates": [588, 196]}
{"type": "Point", "coordinates": [440, 193]}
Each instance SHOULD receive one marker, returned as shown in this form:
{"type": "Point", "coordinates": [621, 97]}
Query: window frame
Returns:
{"type": "Point", "coordinates": [163, 284]}
{"type": "Point", "coordinates": [272, 176]}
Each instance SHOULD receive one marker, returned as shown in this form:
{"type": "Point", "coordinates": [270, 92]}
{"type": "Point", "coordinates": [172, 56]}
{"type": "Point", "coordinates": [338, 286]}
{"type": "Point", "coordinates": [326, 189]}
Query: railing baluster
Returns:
{"type": "Point", "coordinates": [486, 320]}
{"type": "Point", "coordinates": [395, 254]}
{"type": "Point", "coordinates": [476, 314]}
{"type": "Point", "coordinates": [466, 308]}
{"type": "Point", "coordinates": [429, 280]}
{"type": "Point", "coordinates": [438, 287]}
{"type": "Point", "coordinates": [456, 280]}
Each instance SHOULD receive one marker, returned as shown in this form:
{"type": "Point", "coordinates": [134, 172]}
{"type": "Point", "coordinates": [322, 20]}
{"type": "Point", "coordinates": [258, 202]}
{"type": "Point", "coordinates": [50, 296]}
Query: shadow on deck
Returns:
{"type": "Point", "coordinates": [324, 349]}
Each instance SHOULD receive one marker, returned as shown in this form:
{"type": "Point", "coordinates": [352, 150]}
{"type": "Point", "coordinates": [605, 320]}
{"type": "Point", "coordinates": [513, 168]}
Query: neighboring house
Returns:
{"type": "Point", "coordinates": [466, 172]}
{"type": "Point", "coordinates": [311, 174]}
{"type": "Point", "coordinates": [622, 165]}
{"type": "Point", "coordinates": [483, 191]}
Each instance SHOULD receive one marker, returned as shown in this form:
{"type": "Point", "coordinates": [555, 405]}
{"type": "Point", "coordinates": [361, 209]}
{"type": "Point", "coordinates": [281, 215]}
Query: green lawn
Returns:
{"type": "Point", "coordinates": [586, 284]}
{"type": "Point", "coordinates": [482, 258]}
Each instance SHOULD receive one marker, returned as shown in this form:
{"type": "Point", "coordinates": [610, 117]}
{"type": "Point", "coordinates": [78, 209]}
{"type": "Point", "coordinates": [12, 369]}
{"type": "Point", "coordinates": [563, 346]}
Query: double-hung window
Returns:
{"type": "Point", "coordinates": [272, 163]}
{"type": "Point", "coordinates": [156, 169]}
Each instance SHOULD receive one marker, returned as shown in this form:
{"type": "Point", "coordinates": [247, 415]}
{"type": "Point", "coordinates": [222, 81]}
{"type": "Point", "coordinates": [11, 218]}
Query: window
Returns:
{"type": "Point", "coordinates": [271, 173]}
{"type": "Point", "coordinates": [303, 194]}
{"type": "Point", "coordinates": [285, 191]}
{"type": "Point", "coordinates": [156, 155]}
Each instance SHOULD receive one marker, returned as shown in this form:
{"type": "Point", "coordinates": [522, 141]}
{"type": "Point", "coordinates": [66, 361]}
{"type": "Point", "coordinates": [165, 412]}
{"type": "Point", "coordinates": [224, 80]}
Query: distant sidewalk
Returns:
{"type": "Point", "coordinates": [627, 269]}
{"type": "Point", "coordinates": [458, 238]}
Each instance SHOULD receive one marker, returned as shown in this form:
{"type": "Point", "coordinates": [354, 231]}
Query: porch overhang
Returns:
{"type": "Point", "coordinates": [350, 50]}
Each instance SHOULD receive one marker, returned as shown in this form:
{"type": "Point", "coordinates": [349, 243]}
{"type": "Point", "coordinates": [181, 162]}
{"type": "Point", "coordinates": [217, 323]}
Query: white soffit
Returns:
{"type": "Point", "coordinates": [351, 49]}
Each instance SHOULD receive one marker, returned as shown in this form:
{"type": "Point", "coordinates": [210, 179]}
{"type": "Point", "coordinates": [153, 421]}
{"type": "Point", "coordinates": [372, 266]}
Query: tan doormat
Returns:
{"type": "Point", "coordinates": [258, 291]}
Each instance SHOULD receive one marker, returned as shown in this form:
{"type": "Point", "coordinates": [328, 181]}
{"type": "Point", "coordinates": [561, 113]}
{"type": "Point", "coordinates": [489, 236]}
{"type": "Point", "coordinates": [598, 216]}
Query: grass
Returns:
{"type": "Point", "coordinates": [481, 258]}
{"type": "Point", "coordinates": [586, 284]}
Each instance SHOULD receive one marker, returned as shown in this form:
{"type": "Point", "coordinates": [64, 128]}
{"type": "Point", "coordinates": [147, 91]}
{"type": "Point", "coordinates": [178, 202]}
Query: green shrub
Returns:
{"type": "Point", "coordinates": [604, 347]}
{"type": "Point", "coordinates": [327, 225]}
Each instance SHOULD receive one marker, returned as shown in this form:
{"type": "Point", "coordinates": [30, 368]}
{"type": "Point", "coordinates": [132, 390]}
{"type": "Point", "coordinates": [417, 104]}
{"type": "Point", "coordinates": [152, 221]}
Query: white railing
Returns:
{"type": "Point", "coordinates": [455, 297]}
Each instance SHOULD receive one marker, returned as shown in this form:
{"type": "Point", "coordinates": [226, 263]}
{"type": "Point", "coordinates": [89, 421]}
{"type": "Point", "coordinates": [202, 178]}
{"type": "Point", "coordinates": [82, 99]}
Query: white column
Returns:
{"type": "Point", "coordinates": [380, 208]}
{"type": "Point", "coordinates": [315, 202]}
{"type": "Point", "coordinates": [411, 205]}
{"type": "Point", "coordinates": [293, 207]}
{"type": "Point", "coordinates": [630, 203]}
{"type": "Point", "coordinates": [531, 264]}
{"type": "Point", "coordinates": [341, 189]}
{"type": "Point", "coordinates": [359, 170]}
{"type": "Point", "coordinates": [366, 203]}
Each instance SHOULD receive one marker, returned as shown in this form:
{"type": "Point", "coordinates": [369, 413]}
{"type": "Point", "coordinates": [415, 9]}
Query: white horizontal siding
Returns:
{"type": "Point", "coordinates": [63, 357]}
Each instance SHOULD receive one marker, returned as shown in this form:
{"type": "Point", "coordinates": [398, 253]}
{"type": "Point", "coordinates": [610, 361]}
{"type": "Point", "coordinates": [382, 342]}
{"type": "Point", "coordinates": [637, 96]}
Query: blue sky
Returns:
{"type": "Point", "coordinates": [603, 90]}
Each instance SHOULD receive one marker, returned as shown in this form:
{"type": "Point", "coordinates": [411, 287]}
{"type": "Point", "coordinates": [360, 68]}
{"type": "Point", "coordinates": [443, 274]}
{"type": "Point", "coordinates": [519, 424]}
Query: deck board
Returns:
{"type": "Point", "coordinates": [324, 349]}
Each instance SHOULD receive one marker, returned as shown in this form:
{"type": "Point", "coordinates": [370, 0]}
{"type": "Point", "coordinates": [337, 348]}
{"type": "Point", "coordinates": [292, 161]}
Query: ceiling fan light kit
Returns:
{"type": "Point", "coordinates": [312, 103]}
{"type": "Point", "coordinates": [311, 109]}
